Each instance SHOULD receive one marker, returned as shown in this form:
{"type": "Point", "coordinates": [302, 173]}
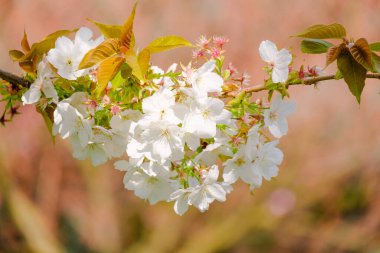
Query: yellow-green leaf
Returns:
{"type": "Point", "coordinates": [332, 31]}
{"type": "Point", "coordinates": [362, 53]}
{"type": "Point", "coordinates": [109, 31]}
{"type": "Point", "coordinates": [127, 31]}
{"type": "Point", "coordinates": [354, 73]}
{"type": "Point", "coordinates": [28, 66]}
{"type": "Point", "coordinates": [24, 43]}
{"type": "Point", "coordinates": [106, 49]}
{"type": "Point", "coordinates": [375, 46]}
{"type": "Point", "coordinates": [16, 55]}
{"type": "Point", "coordinates": [167, 43]}
{"type": "Point", "coordinates": [315, 46]}
{"type": "Point", "coordinates": [107, 71]}
{"type": "Point", "coordinates": [40, 48]}
{"type": "Point", "coordinates": [144, 61]}
{"type": "Point", "coordinates": [132, 60]}
{"type": "Point", "coordinates": [333, 53]}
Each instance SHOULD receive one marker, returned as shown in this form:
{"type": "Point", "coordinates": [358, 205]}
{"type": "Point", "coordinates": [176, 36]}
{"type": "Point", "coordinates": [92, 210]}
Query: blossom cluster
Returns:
{"type": "Point", "coordinates": [178, 136]}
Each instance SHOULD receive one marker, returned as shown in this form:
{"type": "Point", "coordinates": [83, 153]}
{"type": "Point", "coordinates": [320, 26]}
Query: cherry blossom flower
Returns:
{"type": "Point", "coordinates": [205, 80]}
{"type": "Point", "coordinates": [204, 116]}
{"type": "Point", "coordinates": [275, 116]}
{"type": "Point", "coordinates": [201, 195]}
{"type": "Point", "coordinates": [278, 60]}
{"type": "Point", "coordinates": [42, 84]}
{"type": "Point", "coordinates": [152, 188]}
{"type": "Point", "coordinates": [67, 54]}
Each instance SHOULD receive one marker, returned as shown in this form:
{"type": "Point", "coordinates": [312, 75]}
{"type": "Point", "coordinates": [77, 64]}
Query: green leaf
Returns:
{"type": "Point", "coordinates": [166, 43]}
{"type": "Point", "coordinates": [375, 46]}
{"type": "Point", "coordinates": [106, 49]}
{"type": "Point", "coordinates": [107, 71]}
{"type": "Point", "coordinates": [109, 31]}
{"type": "Point", "coordinates": [376, 63]}
{"type": "Point", "coordinates": [362, 53]}
{"type": "Point", "coordinates": [315, 46]}
{"type": "Point", "coordinates": [338, 75]}
{"type": "Point", "coordinates": [127, 36]}
{"type": "Point", "coordinates": [354, 73]}
{"type": "Point", "coordinates": [332, 31]}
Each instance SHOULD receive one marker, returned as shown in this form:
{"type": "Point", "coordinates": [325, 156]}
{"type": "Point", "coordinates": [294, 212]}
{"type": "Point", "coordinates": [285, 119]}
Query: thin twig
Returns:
{"type": "Point", "coordinates": [305, 81]}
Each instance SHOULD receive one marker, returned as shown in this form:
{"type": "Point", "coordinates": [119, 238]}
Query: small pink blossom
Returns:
{"type": "Point", "coordinates": [232, 69]}
{"type": "Point", "coordinates": [203, 42]}
{"type": "Point", "coordinates": [92, 104]}
{"type": "Point", "coordinates": [220, 41]}
{"type": "Point", "coordinates": [106, 100]}
{"type": "Point", "coordinates": [198, 53]}
{"type": "Point", "coordinates": [215, 52]}
{"type": "Point", "coordinates": [115, 109]}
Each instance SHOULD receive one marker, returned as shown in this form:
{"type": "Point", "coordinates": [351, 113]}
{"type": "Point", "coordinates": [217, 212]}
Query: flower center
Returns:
{"type": "Point", "coordinates": [273, 115]}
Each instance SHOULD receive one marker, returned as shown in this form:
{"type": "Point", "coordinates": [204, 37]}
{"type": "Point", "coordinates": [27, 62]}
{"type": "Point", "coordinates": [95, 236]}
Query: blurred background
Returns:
{"type": "Point", "coordinates": [325, 199]}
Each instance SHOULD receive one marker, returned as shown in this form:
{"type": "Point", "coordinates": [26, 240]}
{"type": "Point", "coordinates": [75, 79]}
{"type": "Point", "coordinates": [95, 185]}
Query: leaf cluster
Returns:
{"type": "Point", "coordinates": [354, 58]}
{"type": "Point", "coordinates": [119, 50]}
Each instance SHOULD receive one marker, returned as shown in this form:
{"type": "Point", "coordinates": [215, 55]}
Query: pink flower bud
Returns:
{"type": "Point", "coordinates": [115, 109]}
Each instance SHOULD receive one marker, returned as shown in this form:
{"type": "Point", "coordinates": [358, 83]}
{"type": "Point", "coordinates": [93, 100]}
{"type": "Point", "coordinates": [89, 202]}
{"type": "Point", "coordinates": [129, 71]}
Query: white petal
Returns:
{"type": "Point", "coordinates": [267, 51]}
{"type": "Point", "coordinates": [283, 58]}
{"type": "Point", "coordinates": [31, 96]}
{"type": "Point", "coordinates": [199, 199]}
{"type": "Point", "coordinates": [280, 75]}
{"type": "Point", "coordinates": [49, 91]}
{"type": "Point", "coordinates": [181, 205]}
{"type": "Point", "coordinates": [212, 175]}
{"type": "Point", "coordinates": [275, 130]}
{"type": "Point", "coordinates": [207, 67]}
{"type": "Point", "coordinates": [230, 175]}
{"type": "Point", "coordinates": [162, 148]}
{"type": "Point", "coordinates": [209, 82]}
{"type": "Point", "coordinates": [217, 192]}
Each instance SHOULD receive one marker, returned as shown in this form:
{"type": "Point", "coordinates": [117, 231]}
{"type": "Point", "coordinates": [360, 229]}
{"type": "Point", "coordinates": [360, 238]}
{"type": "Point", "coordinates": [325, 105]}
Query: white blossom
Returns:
{"type": "Point", "coordinates": [151, 188]}
{"type": "Point", "coordinates": [204, 80]}
{"type": "Point", "coordinates": [67, 54]}
{"type": "Point", "coordinates": [241, 166]}
{"type": "Point", "coordinates": [204, 194]}
{"type": "Point", "coordinates": [204, 116]}
{"type": "Point", "coordinates": [275, 116]}
{"type": "Point", "coordinates": [42, 84]}
{"type": "Point", "coordinates": [163, 140]}
{"type": "Point", "coordinates": [278, 60]}
{"type": "Point", "coordinates": [267, 159]}
{"type": "Point", "coordinates": [160, 106]}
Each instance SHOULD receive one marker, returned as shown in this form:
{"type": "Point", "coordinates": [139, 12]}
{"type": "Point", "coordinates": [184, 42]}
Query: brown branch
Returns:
{"type": "Point", "coordinates": [305, 81]}
{"type": "Point", "coordinates": [16, 80]}
{"type": "Point", "coordinates": [13, 79]}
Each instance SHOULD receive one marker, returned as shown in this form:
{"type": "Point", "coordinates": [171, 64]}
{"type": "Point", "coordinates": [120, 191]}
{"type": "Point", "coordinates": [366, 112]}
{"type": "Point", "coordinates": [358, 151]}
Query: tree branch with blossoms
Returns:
{"type": "Point", "coordinates": [184, 135]}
